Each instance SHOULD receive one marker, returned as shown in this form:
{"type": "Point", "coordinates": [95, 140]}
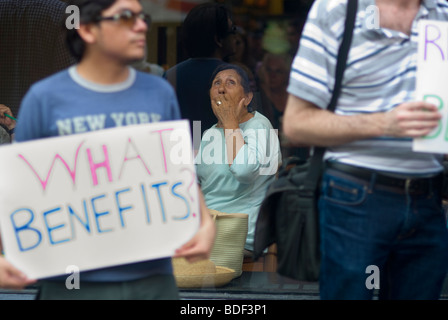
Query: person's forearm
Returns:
{"type": "Point", "coordinates": [306, 124]}
{"type": "Point", "coordinates": [316, 127]}
{"type": "Point", "coordinates": [234, 142]}
{"type": "Point", "coordinates": [205, 214]}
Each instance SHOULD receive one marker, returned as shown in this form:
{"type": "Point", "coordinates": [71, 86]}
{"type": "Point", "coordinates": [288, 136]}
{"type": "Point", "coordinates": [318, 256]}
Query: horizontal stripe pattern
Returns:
{"type": "Point", "coordinates": [380, 75]}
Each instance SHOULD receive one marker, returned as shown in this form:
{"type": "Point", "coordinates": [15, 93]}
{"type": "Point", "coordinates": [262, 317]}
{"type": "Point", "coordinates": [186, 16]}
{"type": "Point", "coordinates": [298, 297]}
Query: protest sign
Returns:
{"type": "Point", "coordinates": [432, 78]}
{"type": "Point", "coordinates": [98, 199]}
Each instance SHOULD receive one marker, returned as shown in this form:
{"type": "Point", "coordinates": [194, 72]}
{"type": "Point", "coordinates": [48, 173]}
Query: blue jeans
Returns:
{"type": "Point", "coordinates": [364, 224]}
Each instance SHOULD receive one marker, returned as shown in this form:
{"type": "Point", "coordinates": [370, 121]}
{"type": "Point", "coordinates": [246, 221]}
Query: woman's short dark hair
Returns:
{"type": "Point", "coordinates": [245, 82]}
{"type": "Point", "coordinates": [89, 11]}
{"type": "Point", "coordinates": [203, 24]}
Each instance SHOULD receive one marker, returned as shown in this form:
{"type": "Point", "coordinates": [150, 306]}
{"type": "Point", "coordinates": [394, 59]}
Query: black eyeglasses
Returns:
{"type": "Point", "coordinates": [127, 18]}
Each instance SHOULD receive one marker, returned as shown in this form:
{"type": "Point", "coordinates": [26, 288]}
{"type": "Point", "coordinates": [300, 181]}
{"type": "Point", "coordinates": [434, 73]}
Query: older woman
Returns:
{"type": "Point", "coordinates": [239, 155]}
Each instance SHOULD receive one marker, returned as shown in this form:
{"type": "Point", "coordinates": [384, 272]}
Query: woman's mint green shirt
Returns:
{"type": "Point", "coordinates": [241, 187]}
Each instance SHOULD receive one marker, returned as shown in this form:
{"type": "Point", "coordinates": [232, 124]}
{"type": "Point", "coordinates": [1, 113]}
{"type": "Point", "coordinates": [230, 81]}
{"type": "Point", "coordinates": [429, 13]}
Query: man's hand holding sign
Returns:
{"type": "Point", "coordinates": [432, 73]}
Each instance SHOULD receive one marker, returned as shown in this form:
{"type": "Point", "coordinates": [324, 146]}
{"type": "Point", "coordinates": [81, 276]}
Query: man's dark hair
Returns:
{"type": "Point", "coordinates": [89, 11]}
{"type": "Point", "coordinates": [202, 26]}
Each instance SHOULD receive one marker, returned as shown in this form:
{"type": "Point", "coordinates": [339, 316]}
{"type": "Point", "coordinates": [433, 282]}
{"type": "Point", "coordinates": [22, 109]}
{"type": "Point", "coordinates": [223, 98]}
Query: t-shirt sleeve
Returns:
{"type": "Point", "coordinates": [29, 126]}
{"type": "Point", "coordinates": [175, 108]}
{"type": "Point", "coordinates": [312, 71]}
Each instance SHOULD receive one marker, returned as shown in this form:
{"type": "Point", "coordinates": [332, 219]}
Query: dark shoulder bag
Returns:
{"type": "Point", "coordinates": [288, 215]}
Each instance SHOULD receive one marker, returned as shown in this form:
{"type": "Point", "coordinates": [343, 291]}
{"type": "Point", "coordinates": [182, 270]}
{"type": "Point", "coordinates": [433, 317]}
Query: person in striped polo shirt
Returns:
{"type": "Point", "coordinates": [382, 222]}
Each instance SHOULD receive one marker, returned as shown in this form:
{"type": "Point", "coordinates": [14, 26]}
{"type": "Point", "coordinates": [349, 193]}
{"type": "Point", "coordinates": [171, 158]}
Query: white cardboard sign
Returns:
{"type": "Point", "coordinates": [98, 199]}
{"type": "Point", "coordinates": [432, 81]}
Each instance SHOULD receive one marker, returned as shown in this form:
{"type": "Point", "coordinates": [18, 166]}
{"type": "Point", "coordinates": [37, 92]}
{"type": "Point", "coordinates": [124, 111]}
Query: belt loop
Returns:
{"type": "Point", "coordinates": [408, 196]}
{"type": "Point", "coordinates": [435, 187]}
{"type": "Point", "coordinates": [407, 185]}
{"type": "Point", "coordinates": [372, 181]}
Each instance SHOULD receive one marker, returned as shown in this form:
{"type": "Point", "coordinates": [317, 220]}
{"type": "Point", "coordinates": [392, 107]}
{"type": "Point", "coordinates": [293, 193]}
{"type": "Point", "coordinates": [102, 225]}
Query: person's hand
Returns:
{"type": "Point", "coordinates": [201, 245]}
{"type": "Point", "coordinates": [229, 111]}
{"type": "Point", "coordinates": [6, 121]}
{"type": "Point", "coordinates": [412, 119]}
{"type": "Point", "coordinates": [11, 277]}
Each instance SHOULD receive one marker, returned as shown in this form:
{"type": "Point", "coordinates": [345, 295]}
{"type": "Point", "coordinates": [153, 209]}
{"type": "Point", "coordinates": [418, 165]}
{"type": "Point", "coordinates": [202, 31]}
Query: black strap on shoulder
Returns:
{"type": "Point", "coordinates": [344, 48]}
{"type": "Point", "coordinates": [317, 157]}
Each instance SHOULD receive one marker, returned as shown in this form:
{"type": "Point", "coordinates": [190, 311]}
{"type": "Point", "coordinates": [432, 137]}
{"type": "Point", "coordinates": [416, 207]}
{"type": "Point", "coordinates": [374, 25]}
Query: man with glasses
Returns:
{"type": "Point", "coordinates": [112, 34]}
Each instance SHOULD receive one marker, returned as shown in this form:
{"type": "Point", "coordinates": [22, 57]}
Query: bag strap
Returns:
{"type": "Point", "coordinates": [316, 161]}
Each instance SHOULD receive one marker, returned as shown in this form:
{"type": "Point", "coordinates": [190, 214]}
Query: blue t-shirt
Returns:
{"type": "Point", "coordinates": [65, 103]}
